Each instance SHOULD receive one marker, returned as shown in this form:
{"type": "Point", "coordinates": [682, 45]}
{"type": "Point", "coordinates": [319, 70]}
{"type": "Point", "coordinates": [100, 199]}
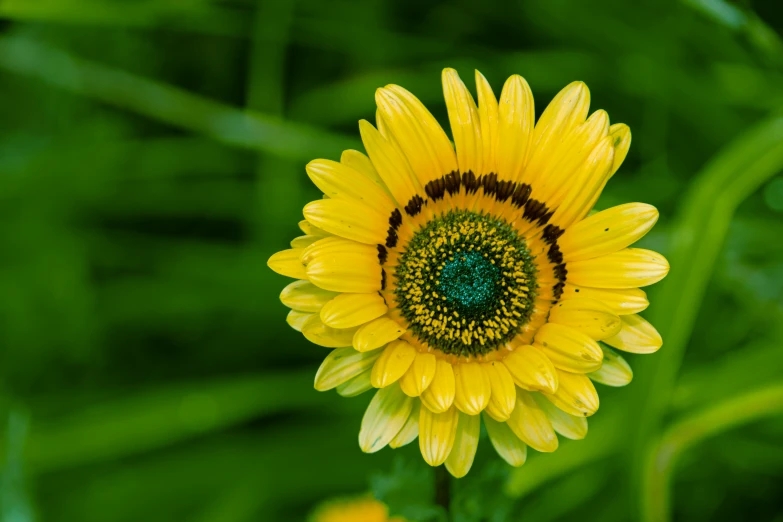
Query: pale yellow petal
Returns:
{"type": "Point", "coordinates": [508, 445]}
{"type": "Point", "coordinates": [419, 375]}
{"type": "Point", "coordinates": [410, 430]}
{"type": "Point", "coordinates": [460, 459]}
{"type": "Point", "coordinates": [568, 349]}
{"type": "Point", "coordinates": [356, 386]}
{"type": "Point", "coordinates": [591, 317]}
{"type": "Point", "coordinates": [376, 333]}
{"type": "Point", "coordinates": [472, 388]}
{"type": "Point", "coordinates": [621, 301]}
{"type": "Point", "coordinates": [465, 123]}
{"type": "Point", "coordinates": [305, 296]}
{"type": "Point", "coordinates": [312, 230]}
{"type": "Point", "coordinates": [287, 263]}
{"type": "Point", "coordinates": [342, 265]}
{"type": "Point", "coordinates": [504, 396]}
{"type": "Point", "coordinates": [576, 394]}
{"type": "Point", "coordinates": [362, 164]}
{"type": "Point", "coordinates": [297, 319]}
{"type": "Point", "coordinates": [488, 119]}
{"type": "Point", "coordinates": [607, 231]}
{"type": "Point", "coordinates": [531, 424]}
{"type": "Point", "coordinates": [384, 418]}
{"type": "Point", "coordinates": [437, 432]}
{"type": "Point", "coordinates": [628, 268]}
{"type": "Point", "coordinates": [317, 332]}
{"type": "Point", "coordinates": [636, 336]}
{"type": "Point", "coordinates": [614, 371]}
{"type": "Point", "coordinates": [516, 116]}
{"type": "Point", "coordinates": [392, 364]}
{"type": "Point", "coordinates": [348, 310]}
{"type": "Point", "coordinates": [621, 141]}
{"type": "Point", "coordinates": [339, 181]}
{"type": "Point", "coordinates": [342, 365]}
{"type": "Point", "coordinates": [531, 369]}
{"type": "Point", "coordinates": [569, 426]}
{"type": "Point", "coordinates": [349, 219]}
{"type": "Point", "coordinates": [391, 164]}
{"type": "Point", "coordinates": [304, 241]}
{"type": "Point", "coordinates": [439, 395]}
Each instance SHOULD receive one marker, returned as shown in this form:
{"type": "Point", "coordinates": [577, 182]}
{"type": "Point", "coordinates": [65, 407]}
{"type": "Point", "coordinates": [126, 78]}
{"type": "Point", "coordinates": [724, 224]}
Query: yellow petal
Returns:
{"type": "Point", "coordinates": [628, 268]}
{"type": "Point", "coordinates": [576, 394]}
{"type": "Point", "coordinates": [516, 116]}
{"type": "Point", "coordinates": [621, 301]}
{"type": "Point", "coordinates": [356, 386]}
{"type": "Point", "coordinates": [569, 426]}
{"type": "Point", "coordinates": [391, 164]}
{"type": "Point", "coordinates": [531, 424]}
{"type": "Point", "coordinates": [343, 266]}
{"type": "Point", "coordinates": [384, 418]}
{"type": "Point", "coordinates": [504, 396]}
{"type": "Point", "coordinates": [376, 333]}
{"type": "Point", "coordinates": [349, 219]}
{"type": "Point", "coordinates": [439, 395]}
{"type": "Point", "coordinates": [287, 263]}
{"type": "Point", "coordinates": [462, 454]}
{"type": "Point", "coordinates": [311, 230]}
{"type": "Point", "coordinates": [342, 365]}
{"type": "Point", "coordinates": [437, 432]}
{"type": "Point", "coordinates": [508, 445]}
{"type": "Point", "coordinates": [531, 369]}
{"type": "Point", "coordinates": [614, 371]}
{"type": "Point", "coordinates": [636, 336]}
{"type": "Point", "coordinates": [318, 333]}
{"type": "Point", "coordinates": [568, 349]}
{"type": "Point", "coordinates": [607, 231]}
{"type": "Point", "coordinates": [472, 388]}
{"type": "Point", "coordinates": [464, 120]}
{"type": "Point", "coordinates": [348, 310]}
{"type": "Point", "coordinates": [488, 119]}
{"type": "Point", "coordinates": [362, 164]}
{"type": "Point", "coordinates": [621, 141]}
{"type": "Point", "coordinates": [419, 375]}
{"type": "Point", "coordinates": [393, 363]}
{"type": "Point", "coordinates": [305, 296]}
{"type": "Point", "coordinates": [339, 181]}
{"type": "Point", "coordinates": [304, 241]}
{"type": "Point", "coordinates": [588, 316]}
{"type": "Point", "coordinates": [410, 430]}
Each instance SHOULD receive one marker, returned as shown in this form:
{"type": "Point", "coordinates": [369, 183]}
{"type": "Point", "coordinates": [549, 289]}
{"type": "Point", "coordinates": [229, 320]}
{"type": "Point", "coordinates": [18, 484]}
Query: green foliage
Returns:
{"type": "Point", "coordinates": [151, 159]}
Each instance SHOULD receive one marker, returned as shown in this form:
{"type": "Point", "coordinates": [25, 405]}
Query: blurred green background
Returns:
{"type": "Point", "coordinates": [152, 157]}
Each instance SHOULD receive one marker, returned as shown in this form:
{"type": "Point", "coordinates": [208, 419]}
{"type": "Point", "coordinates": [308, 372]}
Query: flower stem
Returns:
{"type": "Point", "coordinates": [442, 488]}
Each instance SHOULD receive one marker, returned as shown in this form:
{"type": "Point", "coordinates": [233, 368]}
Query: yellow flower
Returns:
{"type": "Point", "coordinates": [363, 509]}
{"type": "Point", "coordinates": [473, 284]}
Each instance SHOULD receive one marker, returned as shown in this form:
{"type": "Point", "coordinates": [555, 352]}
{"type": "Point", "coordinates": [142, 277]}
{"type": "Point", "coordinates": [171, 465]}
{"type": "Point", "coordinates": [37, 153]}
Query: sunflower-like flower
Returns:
{"type": "Point", "coordinates": [468, 281]}
{"type": "Point", "coordinates": [362, 509]}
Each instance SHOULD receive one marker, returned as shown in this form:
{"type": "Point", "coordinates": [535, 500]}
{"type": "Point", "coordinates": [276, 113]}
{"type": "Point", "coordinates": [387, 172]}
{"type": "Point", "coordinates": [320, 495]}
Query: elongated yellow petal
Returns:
{"type": "Point", "coordinates": [391, 164]}
{"type": "Point", "coordinates": [356, 386]}
{"type": "Point", "coordinates": [439, 395]}
{"type": "Point", "coordinates": [504, 395]}
{"type": "Point", "coordinates": [392, 364]}
{"type": "Point", "coordinates": [348, 310]}
{"type": "Point", "coordinates": [342, 265]}
{"type": "Point", "coordinates": [384, 418]}
{"type": "Point", "coordinates": [419, 375]}
{"type": "Point", "coordinates": [362, 164]}
{"type": "Point", "coordinates": [465, 123]}
{"type": "Point", "coordinates": [569, 426]}
{"type": "Point", "coordinates": [305, 296]}
{"type": "Point", "coordinates": [460, 459]}
{"type": "Point", "coordinates": [591, 317]}
{"type": "Point", "coordinates": [531, 424]}
{"type": "Point", "coordinates": [636, 336]}
{"type": "Point", "coordinates": [607, 231]}
{"type": "Point", "coordinates": [621, 141]}
{"type": "Point", "coordinates": [304, 241]}
{"type": "Point", "coordinates": [376, 333]}
{"type": "Point", "coordinates": [508, 445]}
{"type": "Point", "coordinates": [516, 116]}
{"type": "Point", "coordinates": [437, 432]}
{"type": "Point", "coordinates": [488, 119]}
{"type": "Point", "coordinates": [317, 332]}
{"type": "Point", "coordinates": [614, 371]}
{"type": "Point", "coordinates": [349, 219]}
{"type": "Point", "coordinates": [287, 263]}
{"type": "Point", "coordinates": [339, 181]}
{"type": "Point", "coordinates": [622, 301]}
{"type": "Point", "coordinates": [576, 394]}
{"type": "Point", "coordinates": [410, 430]}
{"type": "Point", "coordinates": [472, 388]}
{"type": "Point", "coordinates": [569, 349]}
{"type": "Point", "coordinates": [628, 268]}
{"type": "Point", "coordinates": [297, 319]}
{"type": "Point", "coordinates": [342, 365]}
{"type": "Point", "coordinates": [531, 369]}
{"type": "Point", "coordinates": [312, 230]}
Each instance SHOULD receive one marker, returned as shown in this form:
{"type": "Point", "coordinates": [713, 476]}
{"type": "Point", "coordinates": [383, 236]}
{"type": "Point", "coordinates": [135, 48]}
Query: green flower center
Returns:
{"type": "Point", "coordinates": [465, 283]}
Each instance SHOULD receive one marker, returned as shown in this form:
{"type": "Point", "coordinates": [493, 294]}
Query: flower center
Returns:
{"type": "Point", "coordinates": [465, 283]}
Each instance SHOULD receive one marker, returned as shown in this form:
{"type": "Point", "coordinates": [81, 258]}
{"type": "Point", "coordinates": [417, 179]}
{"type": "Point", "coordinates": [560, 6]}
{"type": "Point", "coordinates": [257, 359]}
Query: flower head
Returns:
{"type": "Point", "coordinates": [469, 281]}
{"type": "Point", "coordinates": [362, 509]}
